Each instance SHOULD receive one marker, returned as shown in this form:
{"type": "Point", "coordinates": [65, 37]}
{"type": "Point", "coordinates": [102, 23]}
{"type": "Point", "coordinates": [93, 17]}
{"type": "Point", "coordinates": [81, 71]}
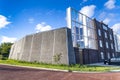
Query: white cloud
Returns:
{"type": "Point", "coordinates": [42, 27]}
{"type": "Point", "coordinates": [3, 21]}
{"type": "Point", "coordinates": [110, 4]}
{"type": "Point", "coordinates": [88, 10]}
{"type": "Point", "coordinates": [85, 0]}
{"type": "Point", "coordinates": [106, 20]}
{"type": "Point", "coordinates": [8, 39]}
{"type": "Point", "coordinates": [116, 27]}
{"type": "Point", "coordinates": [31, 20]}
{"type": "Point", "coordinates": [102, 15]}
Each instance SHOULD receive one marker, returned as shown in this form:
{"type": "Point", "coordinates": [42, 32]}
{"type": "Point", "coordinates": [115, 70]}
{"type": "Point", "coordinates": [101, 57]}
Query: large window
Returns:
{"type": "Point", "coordinates": [110, 37]}
{"type": "Point", "coordinates": [108, 55]}
{"type": "Point", "coordinates": [100, 43]}
{"type": "Point", "coordinates": [113, 55]}
{"type": "Point", "coordinates": [80, 44]}
{"type": "Point", "coordinates": [83, 29]}
{"type": "Point", "coordinates": [111, 46]}
{"type": "Point", "coordinates": [102, 55]}
{"type": "Point", "coordinates": [91, 33]}
{"type": "Point", "coordinates": [106, 44]}
{"type": "Point", "coordinates": [117, 42]}
{"type": "Point", "coordinates": [105, 35]}
{"type": "Point", "coordinates": [104, 27]}
{"type": "Point", "coordinates": [92, 43]}
{"type": "Point", "coordinates": [99, 32]}
{"type": "Point", "coordinates": [77, 37]}
{"type": "Point", "coordinates": [77, 30]}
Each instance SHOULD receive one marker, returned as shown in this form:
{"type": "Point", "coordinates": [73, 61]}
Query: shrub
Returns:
{"type": "Point", "coordinates": [57, 57]}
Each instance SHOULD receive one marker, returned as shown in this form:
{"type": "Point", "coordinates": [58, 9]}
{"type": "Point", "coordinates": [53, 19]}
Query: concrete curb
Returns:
{"type": "Point", "coordinates": [34, 67]}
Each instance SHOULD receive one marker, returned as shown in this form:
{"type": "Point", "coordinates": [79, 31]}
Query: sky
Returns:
{"type": "Point", "coordinates": [22, 17]}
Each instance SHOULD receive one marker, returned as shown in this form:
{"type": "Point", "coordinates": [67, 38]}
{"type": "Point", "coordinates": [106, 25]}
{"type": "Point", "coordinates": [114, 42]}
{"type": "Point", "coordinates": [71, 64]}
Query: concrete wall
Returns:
{"type": "Point", "coordinates": [27, 48]}
{"type": "Point", "coordinates": [60, 45]}
{"type": "Point", "coordinates": [36, 47]}
{"type": "Point", "coordinates": [44, 46]}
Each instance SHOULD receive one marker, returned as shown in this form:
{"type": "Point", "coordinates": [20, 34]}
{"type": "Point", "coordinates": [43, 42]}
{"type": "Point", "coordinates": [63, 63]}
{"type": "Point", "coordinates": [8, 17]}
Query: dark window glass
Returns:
{"type": "Point", "coordinates": [81, 31]}
{"type": "Point", "coordinates": [77, 30]}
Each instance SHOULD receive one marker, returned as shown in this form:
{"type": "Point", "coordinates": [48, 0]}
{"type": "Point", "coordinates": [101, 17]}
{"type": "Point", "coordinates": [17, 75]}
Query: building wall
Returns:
{"type": "Point", "coordinates": [104, 35]}
{"type": "Point", "coordinates": [90, 56]}
{"type": "Point", "coordinates": [86, 56]}
{"type": "Point", "coordinates": [117, 43]}
{"type": "Point", "coordinates": [44, 46]}
{"type": "Point", "coordinates": [90, 35]}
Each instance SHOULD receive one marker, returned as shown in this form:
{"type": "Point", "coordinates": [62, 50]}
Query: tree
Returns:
{"type": "Point", "coordinates": [5, 49]}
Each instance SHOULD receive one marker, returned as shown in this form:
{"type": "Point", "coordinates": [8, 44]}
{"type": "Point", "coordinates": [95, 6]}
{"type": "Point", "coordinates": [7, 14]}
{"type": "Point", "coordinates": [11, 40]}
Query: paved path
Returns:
{"type": "Point", "coordinates": [20, 73]}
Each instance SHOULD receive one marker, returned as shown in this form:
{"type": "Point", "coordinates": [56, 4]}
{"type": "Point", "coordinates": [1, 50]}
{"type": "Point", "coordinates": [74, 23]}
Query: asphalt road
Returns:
{"type": "Point", "coordinates": [20, 73]}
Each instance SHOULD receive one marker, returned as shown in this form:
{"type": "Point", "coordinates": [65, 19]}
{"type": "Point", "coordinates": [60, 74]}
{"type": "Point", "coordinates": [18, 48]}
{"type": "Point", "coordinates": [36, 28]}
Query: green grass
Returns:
{"type": "Point", "coordinates": [76, 67]}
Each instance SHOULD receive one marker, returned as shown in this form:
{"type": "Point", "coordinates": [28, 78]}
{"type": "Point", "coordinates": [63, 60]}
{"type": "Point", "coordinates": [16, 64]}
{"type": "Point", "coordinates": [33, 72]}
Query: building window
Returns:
{"type": "Point", "coordinates": [106, 44]}
{"type": "Point", "coordinates": [80, 44]}
{"type": "Point", "coordinates": [77, 30]}
{"type": "Point", "coordinates": [105, 35]}
{"type": "Point", "coordinates": [73, 38]}
{"type": "Point", "coordinates": [102, 55]}
{"type": "Point", "coordinates": [73, 28]}
{"type": "Point", "coordinates": [113, 55]}
{"type": "Point", "coordinates": [111, 46]}
{"type": "Point", "coordinates": [104, 27]}
{"type": "Point", "coordinates": [99, 32]}
{"type": "Point", "coordinates": [77, 37]}
{"type": "Point", "coordinates": [81, 31]}
{"type": "Point", "coordinates": [100, 43]}
{"type": "Point", "coordinates": [110, 37]}
{"type": "Point", "coordinates": [108, 55]}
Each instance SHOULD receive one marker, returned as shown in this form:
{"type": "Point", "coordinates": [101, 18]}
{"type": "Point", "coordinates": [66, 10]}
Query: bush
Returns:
{"type": "Point", "coordinates": [5, 50]}
{"type": "Point", "coordinates": [57, 57]}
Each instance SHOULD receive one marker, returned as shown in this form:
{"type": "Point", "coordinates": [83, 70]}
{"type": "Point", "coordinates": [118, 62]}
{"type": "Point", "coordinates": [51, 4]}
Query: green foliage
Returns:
{"type": "Point", "coordinates": [5, 50]}
{"type": "Point", "coordinates": [0, 57]}
{"type": "Point", "coordinates": [57, 57]}
{"type": "Point", "coordinates": [70, 68]}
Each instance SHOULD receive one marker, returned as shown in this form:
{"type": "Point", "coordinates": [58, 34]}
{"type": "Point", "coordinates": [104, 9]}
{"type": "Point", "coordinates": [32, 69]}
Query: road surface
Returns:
{"type": "Point", "coordinates": [21, 73]}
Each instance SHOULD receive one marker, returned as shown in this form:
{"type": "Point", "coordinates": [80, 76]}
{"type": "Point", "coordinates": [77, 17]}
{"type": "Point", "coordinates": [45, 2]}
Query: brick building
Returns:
{"type": "Point", "coordinates": [93, 41]}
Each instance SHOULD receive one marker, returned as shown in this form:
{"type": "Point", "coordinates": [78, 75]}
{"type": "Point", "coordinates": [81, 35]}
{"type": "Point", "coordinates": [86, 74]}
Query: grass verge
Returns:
{"type": "Point", "coordinates": [77, 67]}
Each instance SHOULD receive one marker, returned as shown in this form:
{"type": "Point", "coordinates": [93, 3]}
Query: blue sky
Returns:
{"type": "Point", "coordinates": [21, 17]}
